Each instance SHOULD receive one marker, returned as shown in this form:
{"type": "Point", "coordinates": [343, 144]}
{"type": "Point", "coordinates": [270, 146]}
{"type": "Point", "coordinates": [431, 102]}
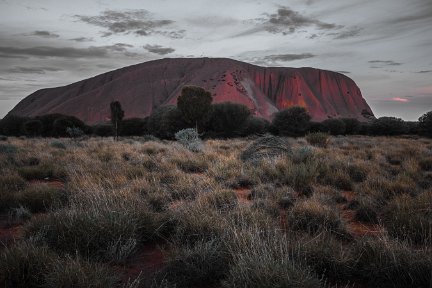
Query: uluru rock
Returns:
{"type": "Point", "coordinates": [144, 87]}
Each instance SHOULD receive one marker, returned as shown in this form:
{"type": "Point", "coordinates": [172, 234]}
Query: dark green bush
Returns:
{"type": "Point", "coordinates": [103, 130]}
{"type": "Point", "coordinates": [425, 124]}
{"type": "Point", "coordinates": [12, 125]}
{"type": "Point", "coordinates": [33, 128]}
{"type": "Point", "coordinates": [334, 126]}
{"type": "Point", "coordinates": [61, 124]}
{"type": "Point", "coordinates": [388, 126]}
{"type": "Point", "coordinates": [165, 122]}
{"type": "Point", "coordinates": [294, 121]}
{"type": "Point", "coordinates": [133, 127]}
{"type": "Point", "coordinates": [352, 126]}
{"type": "Point", "coordinates": [255, 126]}
{"type": "Point", "coordinates": [226, 119]}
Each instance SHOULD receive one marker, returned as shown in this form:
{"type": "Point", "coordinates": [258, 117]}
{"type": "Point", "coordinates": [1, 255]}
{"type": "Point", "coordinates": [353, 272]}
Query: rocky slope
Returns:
{"type": "Point", "coordinates": [144, 87]}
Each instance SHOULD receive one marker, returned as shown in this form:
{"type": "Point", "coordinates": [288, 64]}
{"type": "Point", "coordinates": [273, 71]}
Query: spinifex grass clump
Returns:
{"type": "Point", "coordinates": [102, 234]}
{"type": "Point", "coordinates": [318, 139]}
{"type": "Point", "coordinates": [189, 138]}
{"type": "Point", "coordinates": [265, 147]}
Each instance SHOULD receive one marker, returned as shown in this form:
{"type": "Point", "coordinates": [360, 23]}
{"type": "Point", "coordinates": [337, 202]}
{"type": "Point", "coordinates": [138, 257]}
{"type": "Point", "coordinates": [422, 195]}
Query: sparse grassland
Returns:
{"type": "Point", "coordinates": [347, 212]}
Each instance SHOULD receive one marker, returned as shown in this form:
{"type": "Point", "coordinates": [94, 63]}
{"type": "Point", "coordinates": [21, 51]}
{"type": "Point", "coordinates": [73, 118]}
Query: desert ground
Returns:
{"type": "Point", "coordinates": [278, 212]}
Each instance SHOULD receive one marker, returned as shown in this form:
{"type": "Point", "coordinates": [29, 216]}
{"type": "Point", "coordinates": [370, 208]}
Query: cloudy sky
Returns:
{"type": "Point", "coordinates": [384, 45]}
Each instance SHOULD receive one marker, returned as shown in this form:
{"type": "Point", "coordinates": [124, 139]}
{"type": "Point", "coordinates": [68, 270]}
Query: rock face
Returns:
{"type": "Point", "coordinates": [144, 87]}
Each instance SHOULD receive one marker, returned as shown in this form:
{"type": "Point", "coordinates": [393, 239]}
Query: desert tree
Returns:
{"type": "Point", "coordinates": [117, 115]}
{"type": "Point", "coordinates": [294, 121]}
{"type": "Point", "coordinates": [425, 124]}
{"type": "Point", "coordinates": [194, 103]}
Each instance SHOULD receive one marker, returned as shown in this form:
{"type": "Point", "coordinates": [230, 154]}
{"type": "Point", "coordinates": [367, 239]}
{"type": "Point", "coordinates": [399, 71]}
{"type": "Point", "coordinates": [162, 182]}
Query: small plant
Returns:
{"type": "Point", "coordinates": [189, 138]}
{"type": "Point", "coordinates": [264, 148]}
{"type": "Point", "coordinates": [20, 214]}
{"type": "Point", "coordinates": [318, 139]}
{"type": "Point", "coordinates": [302, 154]}
{"type": "Point", "coordinates": [41, 197]}
{"type": "Point", "coordinates": [74, 132]}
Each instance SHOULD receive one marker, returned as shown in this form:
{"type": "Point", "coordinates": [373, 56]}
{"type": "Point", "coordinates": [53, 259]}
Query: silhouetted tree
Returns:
{"type": "Point", "coordinates": [117, 115]}
{"type": "Point", "coordinates": [194, 104]}
{"type": "Point", "coordinates": [255, 126]}
{"type": "Point", "coordinates": [33, 128]}
{"type": "Point", "coordinates": [165, 122]}
{"type": "Point", "coordinates": [352, 126]}
{"type": "Point", "coordinates": [425, 124]}
{"type": "Point", "coordinates": [294, 121]}
{"type": "Point", "coordinates": [226, 119]}
{"type": "Point", "coordinates": [12, 125]}
{"type": "Point", "coordinates": [133, 127]}
{"type": "Point", "coordinates": [334, 126]}
{"type": "Point", "coordinates": [388, 126]}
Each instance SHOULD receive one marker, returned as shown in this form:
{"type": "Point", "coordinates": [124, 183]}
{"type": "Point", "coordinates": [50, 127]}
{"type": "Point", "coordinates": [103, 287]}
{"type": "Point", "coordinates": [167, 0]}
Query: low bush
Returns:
{"type": "Point", "coordinates": [357, 173]}
{"type": "Point", "coordinates": [334, 126]}
{"type": "Point", "coordinates": [191, 165]}
{"type": "Point", "coordinates": [189, 138]}
{"type": "Point", "coordinates": [58, 145]}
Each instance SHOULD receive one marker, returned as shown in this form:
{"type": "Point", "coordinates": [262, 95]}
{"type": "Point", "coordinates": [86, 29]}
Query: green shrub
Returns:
{"type": "Point", "coordinates": [165, 122]}
{"type": "Point", "coordinates": [294, 121]}
{"type": "Point", "coordinates": [318, 139]}
{"type": "Point", "coordinates": [33, 128]}
{"type": "Point", "coordinates": [425, 124]}
{"type": "Point", "coordinates": [255, 126]}
{"type": "Point", "coordinates": [25, 265]}
{"type": "Point", "coordinates": [334, 126]}
{"type": "Point", "coordinates": [388, 126]}
{"type": "Point", "coordinates": [103, 130]}
{"type": "Point", "coordinates": [227, 119]}
{"type": "Point", "coordinates": [12, 125]}
{"type": "Point", "coordinates": [352, 126]}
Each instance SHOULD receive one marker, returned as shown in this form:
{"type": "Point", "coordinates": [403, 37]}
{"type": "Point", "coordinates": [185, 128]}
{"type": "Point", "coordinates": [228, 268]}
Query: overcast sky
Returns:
{"type": "Point", "coordinates": [383, 45]}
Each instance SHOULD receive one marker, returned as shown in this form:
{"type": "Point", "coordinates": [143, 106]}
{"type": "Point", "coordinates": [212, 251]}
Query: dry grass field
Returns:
{"type": "Point", "coordinates": [356, 212]}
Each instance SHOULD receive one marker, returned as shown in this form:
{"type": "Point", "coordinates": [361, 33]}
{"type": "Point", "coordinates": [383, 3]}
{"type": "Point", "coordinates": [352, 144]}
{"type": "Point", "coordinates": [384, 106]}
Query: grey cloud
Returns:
{"type": "Point", "coordinates": [44, 34]}
{"type": "Point", "coordinates": [33, 70]}
{"type": "Point", "coordinates": [350, 33]}
{"type": "Point", "coordinates": [287, 21]}
{"type": "Point", "coordinates": [384, 63]}
{"type": "Point", "coordinates": [82, 39]}
{"type": "Point", "coordinates": [46, 51]}
{"type": "Point", "coordinates": [157, 49]}
{"type": "Point", "coordinates": [424, 71]}
{"type": "Point", "coordinates": [138, 22]}
{"type": "Point", "coordinates": [343, 72]}
{"type": "Point", "coordinates": [288, 57]}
